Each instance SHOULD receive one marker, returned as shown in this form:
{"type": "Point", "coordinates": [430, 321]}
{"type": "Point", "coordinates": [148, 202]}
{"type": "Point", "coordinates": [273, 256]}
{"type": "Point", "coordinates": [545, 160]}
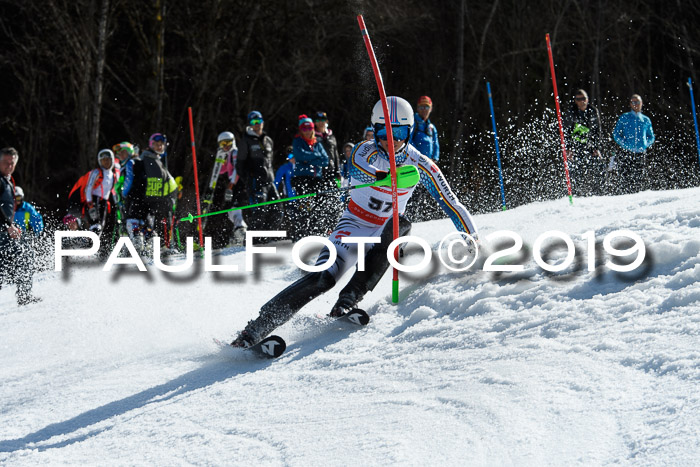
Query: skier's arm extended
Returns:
{"type": "Point", "coordinates": [432, 178]}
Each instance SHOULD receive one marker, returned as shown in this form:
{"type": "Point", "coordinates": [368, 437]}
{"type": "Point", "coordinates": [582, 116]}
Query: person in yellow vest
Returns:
{"type": "Point", "coordinates": [26, 216]}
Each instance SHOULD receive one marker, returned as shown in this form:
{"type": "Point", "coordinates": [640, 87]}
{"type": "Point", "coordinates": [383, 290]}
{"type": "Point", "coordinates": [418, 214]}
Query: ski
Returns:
{"type": "Point", "coordinates": [355, 316]}
{"type": "Point", "coordinates": [270, 347]}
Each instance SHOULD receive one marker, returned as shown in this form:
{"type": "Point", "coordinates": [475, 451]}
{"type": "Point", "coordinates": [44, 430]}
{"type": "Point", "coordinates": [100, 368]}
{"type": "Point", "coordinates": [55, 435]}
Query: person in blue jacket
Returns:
{"type": "Point", "coordinates": [311, 159]}
{"type": "Point", "coordinates": [283, 176]}
{"type": "Point", "coordinates": [26, 216]}
{"type": "Point", "coordinates": [424, 136]}
{"type": "Point", "coordinates": [634, 135]}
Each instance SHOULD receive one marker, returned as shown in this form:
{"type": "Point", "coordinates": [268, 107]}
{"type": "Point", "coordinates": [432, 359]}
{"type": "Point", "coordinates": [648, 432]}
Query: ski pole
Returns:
{"type": "Point", "coordinates": [407, 177]}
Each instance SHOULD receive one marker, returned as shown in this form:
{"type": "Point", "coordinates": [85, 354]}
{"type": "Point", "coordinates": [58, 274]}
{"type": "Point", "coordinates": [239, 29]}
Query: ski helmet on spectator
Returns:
{"type": "Point", "coordinates": [105, 154]}
{"type": "Point", "coordinates": [124, 145]}
{"type": "Point", "coordinates": [19, 193]}
{"type": "Point", "coordinates": [159, 137]}
{"type": "Point", "coordinates": [226, 138]}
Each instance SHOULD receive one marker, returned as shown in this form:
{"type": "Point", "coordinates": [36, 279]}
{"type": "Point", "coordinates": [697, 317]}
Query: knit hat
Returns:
{"type": "Point", "coordinates": [305, 121]}
{"type": "Point", "coordinates": [425, 100]}
{"type": "Point", "coordinates": [320, 116]}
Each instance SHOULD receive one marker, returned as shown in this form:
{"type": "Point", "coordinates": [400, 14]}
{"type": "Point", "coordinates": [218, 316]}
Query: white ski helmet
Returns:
{"type": "Point", "coordinates": [224, 136]}
{"type": "Point", "coordinates": [400, 112]}
{"type": "Point", "coordinates": [105, 154]}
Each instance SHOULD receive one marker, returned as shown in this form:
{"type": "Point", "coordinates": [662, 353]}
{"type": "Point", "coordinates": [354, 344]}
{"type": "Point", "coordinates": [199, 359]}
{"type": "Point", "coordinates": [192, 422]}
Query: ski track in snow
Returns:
{"type": "Point", "coordinates": [476, 368]}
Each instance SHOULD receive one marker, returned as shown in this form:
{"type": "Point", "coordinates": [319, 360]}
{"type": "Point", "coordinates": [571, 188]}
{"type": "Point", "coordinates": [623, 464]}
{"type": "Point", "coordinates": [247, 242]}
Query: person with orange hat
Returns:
{"type": "Point", "coordinates": [424, 137]}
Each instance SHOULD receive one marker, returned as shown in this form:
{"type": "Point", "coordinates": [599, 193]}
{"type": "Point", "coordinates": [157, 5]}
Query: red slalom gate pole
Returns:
{"type": "Point", "coordinates": [392, 158]}
{"type": "Point", "coordinates": [196, 179]}
{"type": "Point", "coordinates": [561, 128]}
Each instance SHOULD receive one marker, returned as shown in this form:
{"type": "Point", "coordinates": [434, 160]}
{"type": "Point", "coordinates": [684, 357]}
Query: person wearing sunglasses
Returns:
{"type": "Point", "coordinates": [308, 216]}
{"type": "Point", "coordinates": [424, 137]}
{"type": "Point", "coordinates": [582, 135]}
{"type": "Point", "coordinates": [16, 252]}
{"type": "Point", "coordinates": [254, 167]}
{"type": "Point", "coordinates": [369, 214]}
{"type": "Point", "coordinates": [150, 193]}
{"type": "Point", "coordinates": [26, 215]}
{"type": "Point", "coordinates": [634, 135]}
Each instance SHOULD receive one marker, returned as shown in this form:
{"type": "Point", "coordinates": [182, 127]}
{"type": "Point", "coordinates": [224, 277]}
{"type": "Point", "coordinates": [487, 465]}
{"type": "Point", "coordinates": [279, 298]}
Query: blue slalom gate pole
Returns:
{"type": "Point", "coordinates": [695, 117]}
{"type": "Point", "coordinates": [498, 152]}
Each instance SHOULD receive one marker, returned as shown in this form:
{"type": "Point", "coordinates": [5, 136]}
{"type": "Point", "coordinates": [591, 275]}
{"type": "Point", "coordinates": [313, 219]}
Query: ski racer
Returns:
{"type": "Point", "coordinates": [369, 214]}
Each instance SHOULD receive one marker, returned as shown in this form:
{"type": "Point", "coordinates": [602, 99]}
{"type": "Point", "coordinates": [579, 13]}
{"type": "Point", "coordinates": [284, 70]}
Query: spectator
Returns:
{"type": "Point", "coordinates": [344, 165]}
{"type": "Point", "coordinates": [254, 167]}
{"type": "Point", "coordinates": [16, 254]}
{"type": "Point", "coordinates": [125, 152]}
{"type": "Point", "coordinates": [368, 134]}
{"type": "Point", "coordinates": [150, 192]}
{"type": "Point", "coordinates": [224, 192]}
{"type": "Point", "coordinates": [311, 158]}
{"type": "Point", "coordinates": [26, 216]}
{"type": "Point", "coordinates": [325, 136]}
{"type": "Point", "coordinates": [582, 132]}
{"type": "Point", "coordinates": [331, 205]}
{"type": "Point", "coordinates": [92, 197]}
{"type": "Point", "coordinates": [283, 176]}
{"type": "Point", "coordinates": [634, 135]}
{"type": "Point", "coordinates": [424, 136]}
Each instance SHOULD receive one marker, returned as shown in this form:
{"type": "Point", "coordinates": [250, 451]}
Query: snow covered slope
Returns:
{"type": "Point", "coordinates": [478, 368]}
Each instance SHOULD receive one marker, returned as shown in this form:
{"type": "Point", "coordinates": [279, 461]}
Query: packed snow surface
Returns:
{"type": "Point", "coordinates": [579, 367]}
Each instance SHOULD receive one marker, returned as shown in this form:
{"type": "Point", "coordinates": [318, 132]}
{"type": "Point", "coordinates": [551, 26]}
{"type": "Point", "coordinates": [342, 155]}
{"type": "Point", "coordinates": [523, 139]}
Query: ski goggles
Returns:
{"type": "Point", "coordinates": [18, 198]}
{"type": "Point", "coordinates": [256, 121]}
{"type": "Point", "coordinates": [399, 133]}
{"type": "Point", "coordinates": [225, 143]}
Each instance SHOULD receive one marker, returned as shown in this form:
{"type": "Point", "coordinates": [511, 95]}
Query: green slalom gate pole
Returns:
{"type": "Point", "coordinates": [407, 176]}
